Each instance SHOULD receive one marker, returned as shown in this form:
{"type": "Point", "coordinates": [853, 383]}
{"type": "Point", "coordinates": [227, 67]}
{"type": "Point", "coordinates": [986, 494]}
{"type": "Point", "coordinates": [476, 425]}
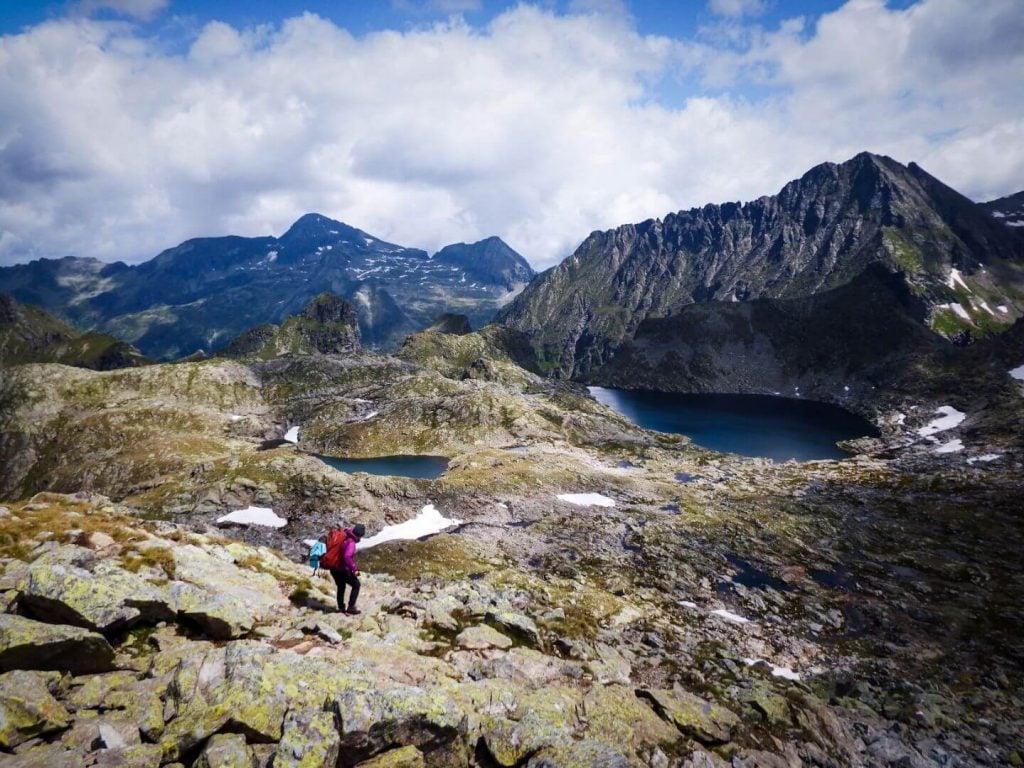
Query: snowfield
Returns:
{"type": "Point", "coordinates": [254, 516]}
{"type": "Point", "coordinates": [950, 418]}
{"type": "Point", "coordinates": [587, 499]}
{"type": "Point", "coordinates": [427, 522]}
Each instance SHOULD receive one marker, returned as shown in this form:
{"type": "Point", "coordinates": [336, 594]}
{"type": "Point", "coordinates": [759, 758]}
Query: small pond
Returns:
{"type": "Point", "coordinates": [778, 428]}
{"type": "Point", "coordinates": [424, 467]}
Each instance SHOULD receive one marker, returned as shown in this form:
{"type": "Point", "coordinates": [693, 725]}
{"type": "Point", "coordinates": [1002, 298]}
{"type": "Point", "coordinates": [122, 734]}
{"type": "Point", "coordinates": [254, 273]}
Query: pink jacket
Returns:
{"type": "Point", "coordinates": [348, 552]}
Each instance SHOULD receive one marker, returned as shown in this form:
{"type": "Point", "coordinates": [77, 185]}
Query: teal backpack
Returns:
{"type": "Point", "coordinates": [315, 552]}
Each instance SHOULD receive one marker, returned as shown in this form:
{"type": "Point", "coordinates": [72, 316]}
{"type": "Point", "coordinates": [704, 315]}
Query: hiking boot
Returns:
{"type": "Point", "coordinates": [353, 611]}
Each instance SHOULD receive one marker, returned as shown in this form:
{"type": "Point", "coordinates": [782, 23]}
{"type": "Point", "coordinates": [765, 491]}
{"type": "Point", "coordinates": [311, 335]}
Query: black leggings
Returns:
{"type": "Point", "coordinates": [341, 578]}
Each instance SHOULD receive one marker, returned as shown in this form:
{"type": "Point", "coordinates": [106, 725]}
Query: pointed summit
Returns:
{"type": "Point", "coordinates": [314, 226]}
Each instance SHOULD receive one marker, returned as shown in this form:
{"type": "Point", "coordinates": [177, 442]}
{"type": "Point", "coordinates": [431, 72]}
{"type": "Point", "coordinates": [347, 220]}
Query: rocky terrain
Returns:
{"type": "Point", "coordinates": [31, 335]}
{"type": "Point", "coordinates": [963, 270]}
{"type": "Point", "coordinates": [204, 292]}
{"type": "Point", "coordinates": [608, 597]}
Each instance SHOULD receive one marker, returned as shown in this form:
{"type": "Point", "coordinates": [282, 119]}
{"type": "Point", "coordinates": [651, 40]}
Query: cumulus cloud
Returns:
{"type": "Point", "coordinates": [539, 128]}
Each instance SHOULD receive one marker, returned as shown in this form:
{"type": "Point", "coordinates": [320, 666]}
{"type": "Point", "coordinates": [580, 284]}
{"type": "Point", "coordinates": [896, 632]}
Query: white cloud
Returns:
{"type": "Point", "coordinates": [737, 8]}
{"type": "Point", "coordinates": [539, 128]}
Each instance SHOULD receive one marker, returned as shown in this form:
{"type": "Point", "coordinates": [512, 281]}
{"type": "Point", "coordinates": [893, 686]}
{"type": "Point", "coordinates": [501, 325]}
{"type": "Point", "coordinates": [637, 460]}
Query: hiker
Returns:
{"type": "Point", "coordinates": [339, 560]}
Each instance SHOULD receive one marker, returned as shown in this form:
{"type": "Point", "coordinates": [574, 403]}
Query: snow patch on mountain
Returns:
{"type": "Point", "coordinates": [949, 417]}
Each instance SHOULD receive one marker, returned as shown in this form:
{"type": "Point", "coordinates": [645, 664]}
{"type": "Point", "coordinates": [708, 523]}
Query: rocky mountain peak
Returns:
{"type": "Point", "coordinates": [314, 225]}
{"type": "Point", "coordinates": [818, 233]}
{"type": "Point", "coordinates": [328, 324]}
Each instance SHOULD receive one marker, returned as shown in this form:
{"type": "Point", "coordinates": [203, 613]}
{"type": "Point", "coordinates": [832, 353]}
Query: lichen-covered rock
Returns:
{"type": "Point", "coordinates": [615, 715]}
{"type": "Point", "coordinates": [44, 756]}
{"type": "Point", "coordinates": [481, 637]}
{"type": "Point", "coordinates": [27, 708]}
{"type": "Point", "coordinates": [579, 754]}
{"type": "Point", "coordinates": [310, 740]}
{"type": "Point", "coordinates": [532, 721]}
{"type": "Point", "coordinates": [516, 624]}
{"type": "Point", "coordinates": [107, 598]}
{"type": "Point", "coordinates": [135, 756]}
{"type": "Point", "coordinates": [28, 644]}
{"type": "Point", "coordinates": [705, 721]}
{"type": "Point", "coordinates": [247, 686]}
{"type": "Point", "coordinates": [404, 757]}
{"type": "Point", "coordinates": [225, 600]}
{"type": "Point", "coordinates": [769, 706]}
{"type": "Point", "coordinates": [610, 666]}
{"type": "Point", "coordinates": [374, 720]}
{"type": "Point", "coordinates": [225, 750]}
{"type": "Point", "coordinates": [220, 616]}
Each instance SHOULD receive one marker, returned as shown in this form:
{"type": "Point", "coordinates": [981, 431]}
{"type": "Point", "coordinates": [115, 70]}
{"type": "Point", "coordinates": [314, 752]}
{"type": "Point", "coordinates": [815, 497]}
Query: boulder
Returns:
{"type": "Point", "coordinates": [705, 721]}
{"type": "Point", "coordinates": [515, 624]}
{"type": "Point", "coordinates": [28, 644]}
{"type": "Point", "coordinates": [481, 637]}
{"type": "Point", "coordinates": [246, 687]}
{"type": "Point", "coordinates": [405, 757]}
{"type": "Point", "coordinates": [135, 756]}
{"type": "Point", "coordinates": [374, 720]}
{"type": "Point", "coordinates": [616, 716]}
{"type": "Point", "coordinates": [579, 754]}
{"type": "Point", "coordinates": [27, 708]}
{"type": "Point", "coordinates": [107, 598]}
{"type": "Point", "coordinates": [225, 750]}
{"type": "Point", "coordinates": [218, 615]}
{"type": "Point", "coordinates": [310, 740]}
{"type": "Point", "coordinates": [45, 756]}
{"type": "Point", "coordinates": [535, 720]}
{"type": "Point", "coordinates": [225, 600]}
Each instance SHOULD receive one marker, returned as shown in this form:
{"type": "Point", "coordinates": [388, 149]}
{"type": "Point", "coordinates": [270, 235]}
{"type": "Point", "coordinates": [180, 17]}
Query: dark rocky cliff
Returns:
{"type": "Point", "coordinates": [820, 232]}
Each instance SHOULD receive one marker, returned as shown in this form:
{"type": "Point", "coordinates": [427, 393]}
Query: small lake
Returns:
{"type": "Point", "coordinates": [424, 467]}
{"type": "Point", "coordinates": [777, 428]}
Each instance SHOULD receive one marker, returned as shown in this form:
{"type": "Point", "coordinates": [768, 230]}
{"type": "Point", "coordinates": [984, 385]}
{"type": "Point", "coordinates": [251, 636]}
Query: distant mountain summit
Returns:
{"type": "Point", "coordinates": [1007, 210]}
{"type": "Point", "coordinates": [963, 268]}
{"type": "Point", "coordinates": [205, 291]}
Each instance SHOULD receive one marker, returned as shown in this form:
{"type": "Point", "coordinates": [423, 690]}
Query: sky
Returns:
{"type": "Point", "coordinates": [128, 126]}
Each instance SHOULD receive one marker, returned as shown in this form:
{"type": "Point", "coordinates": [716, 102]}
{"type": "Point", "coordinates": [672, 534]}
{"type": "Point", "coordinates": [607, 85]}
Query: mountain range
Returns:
{"type": "Point", "coordinates": [204, 292]}
{"type": "Point", "coordinates": [961, 267]}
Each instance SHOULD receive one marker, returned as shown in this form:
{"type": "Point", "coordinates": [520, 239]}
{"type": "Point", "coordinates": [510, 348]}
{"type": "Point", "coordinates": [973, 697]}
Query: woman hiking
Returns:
{"type": "Point", "coordinates": [340, 560]}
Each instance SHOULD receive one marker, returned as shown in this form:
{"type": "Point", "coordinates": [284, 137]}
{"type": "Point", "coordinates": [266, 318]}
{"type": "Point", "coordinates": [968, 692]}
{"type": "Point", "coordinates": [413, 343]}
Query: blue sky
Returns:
{"type": "Point", "coordinates": [127, 126]}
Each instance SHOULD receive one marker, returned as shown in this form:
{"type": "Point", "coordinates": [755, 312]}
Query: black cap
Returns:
{"type": "Point", "coordinates": [359, 530]}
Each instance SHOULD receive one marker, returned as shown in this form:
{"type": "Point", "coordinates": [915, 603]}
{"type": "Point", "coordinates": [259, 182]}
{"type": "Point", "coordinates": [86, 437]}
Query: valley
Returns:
{"type": "Point", "coordinates": [599, 594]}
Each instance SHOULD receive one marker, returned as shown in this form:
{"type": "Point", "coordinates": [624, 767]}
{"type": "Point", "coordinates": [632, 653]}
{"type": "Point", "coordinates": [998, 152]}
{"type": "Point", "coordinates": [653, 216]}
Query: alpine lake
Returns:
{"type": "Point", "coordinates": [423, 467]}
{"type": "Point", "coordinates": [777, 428]}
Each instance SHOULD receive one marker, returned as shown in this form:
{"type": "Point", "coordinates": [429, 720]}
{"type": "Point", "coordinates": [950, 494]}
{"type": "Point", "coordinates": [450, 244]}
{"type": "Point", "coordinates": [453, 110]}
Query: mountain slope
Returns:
{"type": "Point", "coordinates": [859, 345]}
{"type": "Point", "coordinates": [327, 325]}
{"type": "Point", "coordinates": [1007, 210]}
{"type": "Point", "coordinates": [206, 291]}
{"type": "Point", "coordinates": [819, 232]}
{"type": "Point", "coordinates": [31, 335]}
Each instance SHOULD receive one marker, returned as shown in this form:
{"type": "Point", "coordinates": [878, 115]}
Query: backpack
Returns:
{"type": "Point", "coordinates": [316, 550]}
{"type": "Point", "coordinates": [331, 558]}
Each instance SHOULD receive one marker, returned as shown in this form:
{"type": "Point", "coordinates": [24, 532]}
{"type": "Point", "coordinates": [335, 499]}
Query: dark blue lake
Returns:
{"type": "Point", "coordinates": [777, 428]}
{"type": "Point", "coordinates": [426, 467]}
